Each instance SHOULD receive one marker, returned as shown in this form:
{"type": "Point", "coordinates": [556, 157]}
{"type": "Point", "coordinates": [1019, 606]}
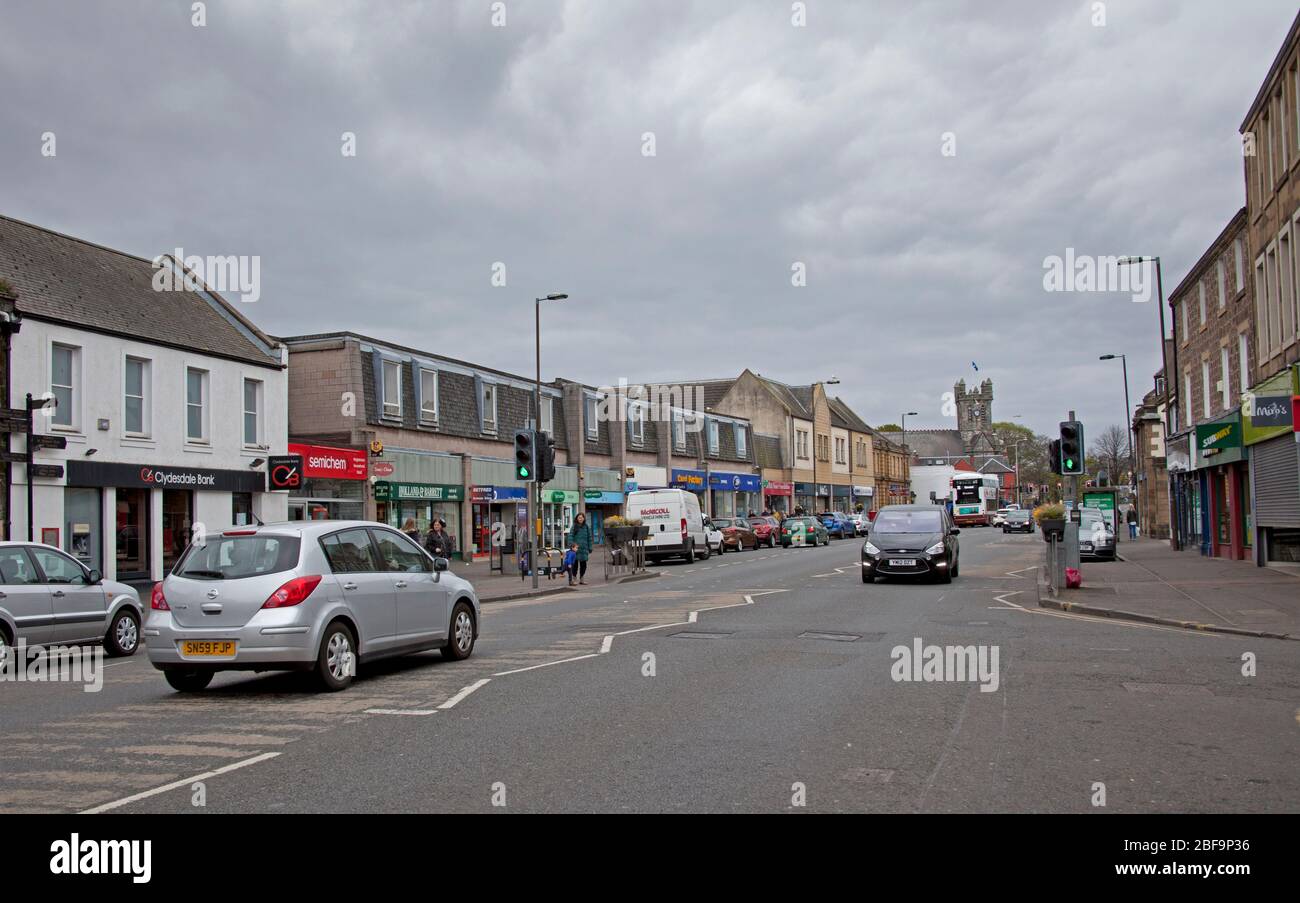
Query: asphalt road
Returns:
{"type": "Point", "coordinates": [759, 681]}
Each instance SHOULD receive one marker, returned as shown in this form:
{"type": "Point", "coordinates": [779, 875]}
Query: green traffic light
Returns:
{"type": "Point", "coordinates": [523, 471]}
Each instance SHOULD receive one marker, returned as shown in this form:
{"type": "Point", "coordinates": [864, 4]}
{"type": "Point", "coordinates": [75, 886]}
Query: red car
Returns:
{"type": "Point", "coordinates": [767, 529]}
{"type": "Point", "coordinates": [736, 533]}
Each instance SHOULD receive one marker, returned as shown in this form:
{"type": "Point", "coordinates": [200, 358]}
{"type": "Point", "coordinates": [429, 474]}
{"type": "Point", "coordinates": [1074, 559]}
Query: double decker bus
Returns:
{"type": "Point", "coordinates": [974, 499]}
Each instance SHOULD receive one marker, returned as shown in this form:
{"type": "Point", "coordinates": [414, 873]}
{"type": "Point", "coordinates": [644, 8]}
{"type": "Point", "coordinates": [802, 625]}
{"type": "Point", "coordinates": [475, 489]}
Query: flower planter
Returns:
{"type": "Point", "coordinates": [1052, 526]}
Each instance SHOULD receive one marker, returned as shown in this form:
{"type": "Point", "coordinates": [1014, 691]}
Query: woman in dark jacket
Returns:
{"type": "Point", "coordinates": [581, 534]}
{"type": "Point", "coordinates": [439, 542]}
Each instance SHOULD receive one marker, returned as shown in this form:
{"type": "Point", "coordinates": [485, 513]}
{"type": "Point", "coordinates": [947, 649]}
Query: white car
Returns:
{"type": "Point", "coordinates": [714, 537]}
{"type": "Point", "coordinates": [1000, 517]}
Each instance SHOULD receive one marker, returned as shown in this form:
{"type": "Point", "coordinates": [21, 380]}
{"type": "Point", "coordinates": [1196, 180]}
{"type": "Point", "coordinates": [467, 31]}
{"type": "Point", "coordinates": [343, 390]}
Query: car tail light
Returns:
{"type": "Point", "coordinates": [683, 529]}
{"type": "Point", "coordinates": [157, 601]}
{"type": "Point", "coordinates": [292, 593]}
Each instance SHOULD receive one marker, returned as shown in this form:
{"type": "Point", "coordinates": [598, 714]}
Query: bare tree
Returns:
{"type": "Point", "coordinates": [1110, 451]}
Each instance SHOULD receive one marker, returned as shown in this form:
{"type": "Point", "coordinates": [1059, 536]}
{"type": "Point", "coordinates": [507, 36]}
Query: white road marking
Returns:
{"type": "Point", "coordinates": [605, 646]}
{"type": "Point", "coordinates": [450, 703]}
{"type": "Point", "coordinates": [185, 782]}
{"type": "Point", "coordinates": [401, 711]}
{"type": "Point", "coordinates": [562, 661]}
{"type": "Point", "coordinates": [1118, 622]}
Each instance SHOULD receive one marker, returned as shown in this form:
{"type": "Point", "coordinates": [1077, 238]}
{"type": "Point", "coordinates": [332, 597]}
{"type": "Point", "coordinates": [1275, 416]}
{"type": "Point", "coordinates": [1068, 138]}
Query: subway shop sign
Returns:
{"type": "Point", "coordinates": [386, 491]}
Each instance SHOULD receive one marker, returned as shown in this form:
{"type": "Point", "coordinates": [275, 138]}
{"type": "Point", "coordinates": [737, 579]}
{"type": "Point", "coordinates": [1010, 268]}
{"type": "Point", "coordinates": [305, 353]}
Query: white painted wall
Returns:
{"type": "Point", "coordinates": [99, 394]}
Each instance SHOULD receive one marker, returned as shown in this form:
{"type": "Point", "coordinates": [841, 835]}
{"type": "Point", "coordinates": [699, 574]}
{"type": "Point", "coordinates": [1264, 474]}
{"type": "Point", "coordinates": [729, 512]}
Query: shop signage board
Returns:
{"type": "Point", "coordinates": [1268, 409]}
{"type": "Point", "coordinates": [327, 462]}
{"type": "Point", "coordinates": [386, 491]}
{"type": "Point", "coordinates": [284, 472]}
{"type": "Point", "coordinates": [1218, 442]}
{"type": "Point", "coordinates": [161, 476]}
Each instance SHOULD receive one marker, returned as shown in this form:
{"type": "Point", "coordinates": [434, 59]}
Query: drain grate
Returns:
{"type": "Point", "coordinates": [700, 635]}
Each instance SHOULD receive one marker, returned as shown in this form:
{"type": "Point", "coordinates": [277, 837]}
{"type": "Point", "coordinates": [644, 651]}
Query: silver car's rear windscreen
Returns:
{"type": "Point", "coordinates": [234, 557]}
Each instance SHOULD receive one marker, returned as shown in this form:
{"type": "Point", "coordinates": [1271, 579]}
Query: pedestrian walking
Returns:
{"type": "Point", "coordinates": [438, 542]}
{"type": "Point", "coordinates": [411, 530]}
{"type": "Point", "coordinates": [1132, 522]}
{"type": "Point", "coordinates": [580, 536]}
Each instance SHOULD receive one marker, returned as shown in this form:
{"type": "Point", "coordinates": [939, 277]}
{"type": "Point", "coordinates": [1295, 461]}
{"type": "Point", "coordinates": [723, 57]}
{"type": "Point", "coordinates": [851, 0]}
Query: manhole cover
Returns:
{"type": "Point", "coordinates": [836, 637]}
{"type": "Point", "coordinates": [700, 635]}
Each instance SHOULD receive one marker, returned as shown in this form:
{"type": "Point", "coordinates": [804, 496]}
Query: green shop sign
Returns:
{"type": "Point", "coordinates": [418, 492]}
{"type": "Point", "coordinates": [562, 496]}
{"type": "Point", "coordinates": [1218, 442]}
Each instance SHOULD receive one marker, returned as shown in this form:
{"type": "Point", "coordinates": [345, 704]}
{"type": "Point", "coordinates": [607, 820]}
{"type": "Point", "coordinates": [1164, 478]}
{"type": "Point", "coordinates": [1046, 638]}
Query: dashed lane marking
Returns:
{"type": "Point", "coordinates": [451, 703]}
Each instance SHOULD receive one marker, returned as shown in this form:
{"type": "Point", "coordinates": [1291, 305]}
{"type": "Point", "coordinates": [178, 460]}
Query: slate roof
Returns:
{"type": "Point", "coordinates": [769, 451]}
{"type": "Point", "coordinates": [935, 443]}
{"type": "Point", "coordinates": [844, 416]}
{"type": "Point", "coordinates": [65, 279]}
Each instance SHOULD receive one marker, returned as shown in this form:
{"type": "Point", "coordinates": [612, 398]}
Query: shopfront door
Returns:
{"type": "Point", "coordinates": [132, 541]}
{"type": "Point", "coordinates": [177, 517]}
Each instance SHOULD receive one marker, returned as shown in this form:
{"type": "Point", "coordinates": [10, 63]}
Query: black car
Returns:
{"type": "Point", "coordinates": [1018, 521]}
{"type": "Point", "coordinates": [911, 541]}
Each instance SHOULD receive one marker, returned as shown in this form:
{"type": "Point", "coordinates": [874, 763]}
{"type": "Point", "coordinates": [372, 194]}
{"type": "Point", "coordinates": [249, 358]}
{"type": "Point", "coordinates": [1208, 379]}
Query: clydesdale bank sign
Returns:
{"type": "Point", "coordinates": [151, 476]}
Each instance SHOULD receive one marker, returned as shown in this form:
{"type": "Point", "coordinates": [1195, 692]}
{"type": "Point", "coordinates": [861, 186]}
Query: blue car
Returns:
{"type": "Point", "coordinates": [839, 525]}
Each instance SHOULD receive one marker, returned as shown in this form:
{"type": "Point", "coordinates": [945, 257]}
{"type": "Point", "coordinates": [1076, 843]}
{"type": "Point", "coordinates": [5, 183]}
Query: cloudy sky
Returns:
{"type": "Point", "coordinates": [524, 144]}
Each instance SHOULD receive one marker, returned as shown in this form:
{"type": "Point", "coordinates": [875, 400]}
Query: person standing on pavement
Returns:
{"type": "Point", "coordinates": [580, 535]}
{"type": "Point", "coordinates": [411, 530]}
{"type": "Point", "coordinates": [439, 542]}
{"type": "Point", "coordinates": [1132, 522]}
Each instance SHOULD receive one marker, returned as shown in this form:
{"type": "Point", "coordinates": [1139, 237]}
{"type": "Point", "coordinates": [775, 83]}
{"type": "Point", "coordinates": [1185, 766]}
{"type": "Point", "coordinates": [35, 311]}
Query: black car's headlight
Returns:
{"type": "Point", "coordinates": [869, 549]}
{"type": "Point", "coordinates": [936, 549]}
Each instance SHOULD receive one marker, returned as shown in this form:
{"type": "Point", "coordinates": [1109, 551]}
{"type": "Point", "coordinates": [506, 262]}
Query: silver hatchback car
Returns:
{"type": "Point", "coordinates": [48, 598]}
{"type": "Point", "coordinates": [321, 596]}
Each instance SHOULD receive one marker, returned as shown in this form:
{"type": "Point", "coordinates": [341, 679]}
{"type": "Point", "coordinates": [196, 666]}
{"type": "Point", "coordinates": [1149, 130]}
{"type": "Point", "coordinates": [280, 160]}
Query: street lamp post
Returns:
{"type": "Point", "coordinates": [833, 381]}
{"type": "Point", "coordinates": [1169, 376]}
{"type": "Point", "coordinates": [1128, 414]}
{"type": "Point", "coordinates": [535, 488]}
{"type": "Point", "coordinates": [907, 457]}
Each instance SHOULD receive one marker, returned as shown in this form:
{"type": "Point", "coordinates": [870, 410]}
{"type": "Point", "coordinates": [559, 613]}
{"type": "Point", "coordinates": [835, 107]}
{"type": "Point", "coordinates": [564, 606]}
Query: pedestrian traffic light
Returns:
{"type": "Point", "coordinates": [525, 455]}
{"type": "Point", "coordinates": [545, 457]}
{"type": "Point", "coordinates": [1054, 455]}
{"type": "Point", "coordinates": [1071, 448]}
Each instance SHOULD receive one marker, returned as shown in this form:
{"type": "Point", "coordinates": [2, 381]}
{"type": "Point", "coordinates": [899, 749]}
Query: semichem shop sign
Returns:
{"type": "Point", "coordinates": [151, 476]}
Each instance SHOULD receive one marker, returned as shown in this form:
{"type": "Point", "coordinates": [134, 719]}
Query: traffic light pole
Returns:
{"type": "Point", "coordinates": [535, 488]}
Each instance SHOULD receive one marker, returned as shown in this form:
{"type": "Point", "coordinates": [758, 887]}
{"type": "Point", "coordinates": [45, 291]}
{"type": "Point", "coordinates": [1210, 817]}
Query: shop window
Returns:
{"type": "Point", "coordinates": [241, 508]}
{"type": "Point", "coordinates": [178, 514]}
{"type": "Point", "coordinates": [135, 397]}
{"type": "Point", "coordinates": [132, 526]}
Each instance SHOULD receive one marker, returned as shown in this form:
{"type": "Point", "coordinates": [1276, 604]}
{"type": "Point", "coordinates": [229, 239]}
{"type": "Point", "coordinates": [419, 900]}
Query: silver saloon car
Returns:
{"type": "Point", "coordinates": [319, 596]}
{"type": "Point", "coordinates": [49, 598]}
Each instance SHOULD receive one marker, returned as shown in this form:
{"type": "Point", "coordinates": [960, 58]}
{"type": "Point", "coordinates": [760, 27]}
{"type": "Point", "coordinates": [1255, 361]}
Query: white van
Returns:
{"type": "Point", "coordinates": [675, 521]}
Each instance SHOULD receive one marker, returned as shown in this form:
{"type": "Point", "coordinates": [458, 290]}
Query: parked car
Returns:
{"type": "Point", "coordinates": [804, 531]}
{"type": "Point", "coordinates": [736, 533]}
{"type": "Point", "coordinates": [712, 537]}
{"type": "Point", "coordinates": [910, 541]}
{"type": "Point", "coordinates": [1018, 521]}
{"type": "Point", "coordinates": [838, 525]}
{"type": "Point", "coordinates": [319, 596]}
{"type": "Point", "coordinates": [861, 523]}
{"type": "Point", "coordinates": [676, 524]}
{"type": "Point", "coordinates": [767, 529]}
{"type": "Point", "coordinates": [1096, 538]}
{"type": "Point", "coordinates": [47, 597]}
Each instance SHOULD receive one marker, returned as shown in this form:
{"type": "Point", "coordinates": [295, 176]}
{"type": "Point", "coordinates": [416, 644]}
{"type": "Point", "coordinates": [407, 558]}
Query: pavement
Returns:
{"type": "Point", "coordinates": [764, 681]}
{"type": "Point", "coordinates": [493, 586]}
{"type": "Point", "coordinates": [1155, 584]}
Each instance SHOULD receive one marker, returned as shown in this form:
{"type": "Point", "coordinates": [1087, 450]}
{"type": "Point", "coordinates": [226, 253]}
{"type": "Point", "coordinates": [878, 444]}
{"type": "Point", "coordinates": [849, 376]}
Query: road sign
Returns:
{"type": "Point", "coordinates": [41, 441]}
{"type": "Point", "coordinates": [9, 457]}
{"type": "Point", "coordinates": [53, 471]}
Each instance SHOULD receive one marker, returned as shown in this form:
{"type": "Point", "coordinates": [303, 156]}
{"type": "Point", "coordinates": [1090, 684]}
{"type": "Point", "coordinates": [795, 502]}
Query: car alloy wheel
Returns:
{"type": "Point", "coordinates": [460, 637]}
{"type": "Point", "coordinates": [4, 650]}
{"type": "Point", "coordinates": [464, 632]}
{"type": "Point", "coordinates": [124, 635]}
{"type": "Point", "coordinates": [338, 656]}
